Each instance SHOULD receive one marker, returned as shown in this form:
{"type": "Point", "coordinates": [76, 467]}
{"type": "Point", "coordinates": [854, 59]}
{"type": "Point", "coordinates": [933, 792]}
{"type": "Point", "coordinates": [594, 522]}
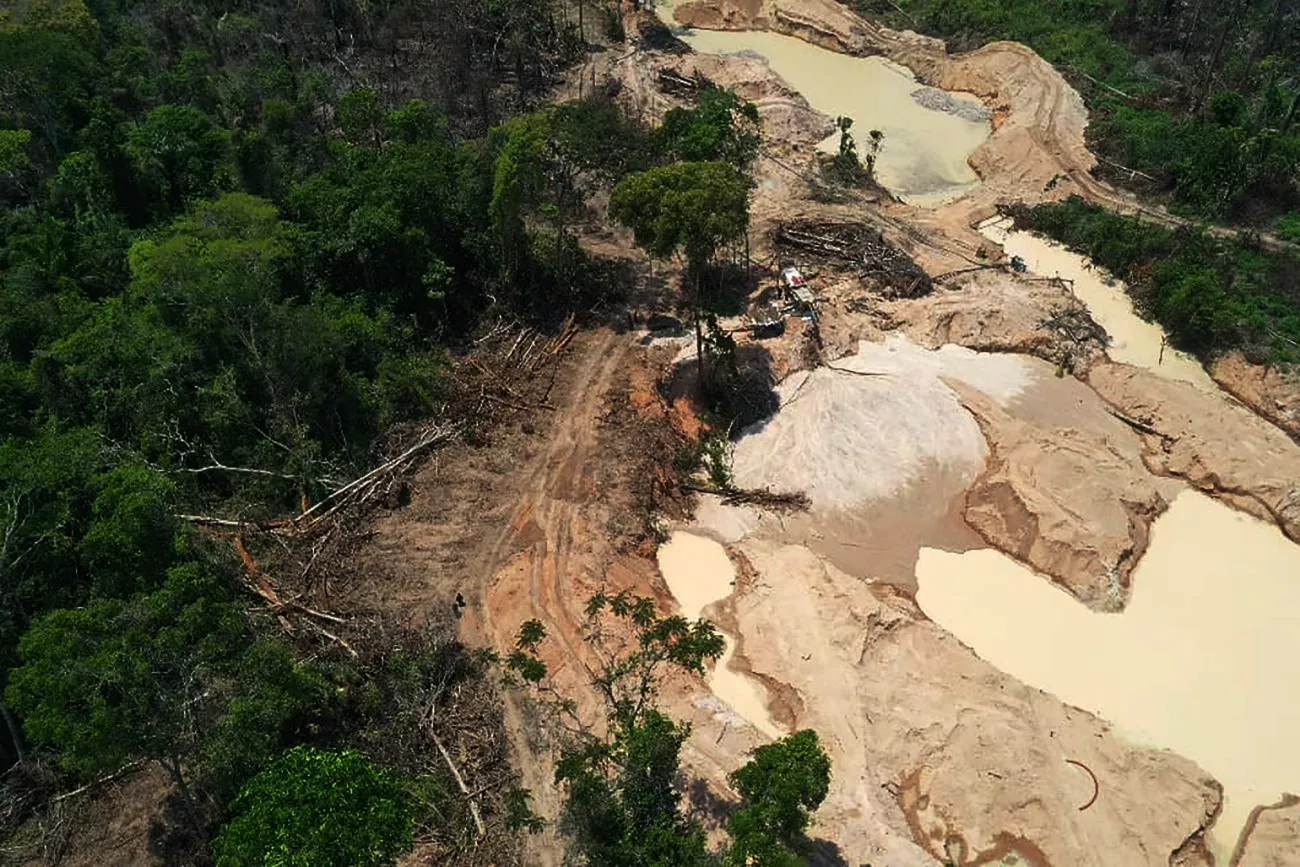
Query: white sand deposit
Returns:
{"type": "Point", "coordinates": [870, 424]}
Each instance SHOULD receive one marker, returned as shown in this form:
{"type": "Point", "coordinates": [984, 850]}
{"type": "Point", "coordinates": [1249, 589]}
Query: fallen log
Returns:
{"type": "Point", "coordinates": [432, 438]}
{"type": "Point", "coordinates": [460, 782]}
{"type": "Point", "coordinates": [1138, 426]}
{"type": "Point", "coordinates": [766, 498]}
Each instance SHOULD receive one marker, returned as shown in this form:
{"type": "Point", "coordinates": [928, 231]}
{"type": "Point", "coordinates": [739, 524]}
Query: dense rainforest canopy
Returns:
{"type": "Point", "coordinates": [238, 244]}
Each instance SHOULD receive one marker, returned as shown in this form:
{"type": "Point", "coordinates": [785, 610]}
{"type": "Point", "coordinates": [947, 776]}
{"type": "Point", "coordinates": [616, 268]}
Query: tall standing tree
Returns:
{"type": "Point", "coordinates": [687, 209]}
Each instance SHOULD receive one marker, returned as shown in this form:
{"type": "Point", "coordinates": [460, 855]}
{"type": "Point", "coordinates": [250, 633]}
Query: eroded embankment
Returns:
{"type": "Point", "coordinates": [1197, 662]}
{"type": "Point", "coordinates": [938, 754]}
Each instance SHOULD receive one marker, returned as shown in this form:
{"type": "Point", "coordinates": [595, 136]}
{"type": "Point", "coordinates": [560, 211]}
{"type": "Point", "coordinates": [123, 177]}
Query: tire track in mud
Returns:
{"type": "Point", "coordinates": [535, 548]}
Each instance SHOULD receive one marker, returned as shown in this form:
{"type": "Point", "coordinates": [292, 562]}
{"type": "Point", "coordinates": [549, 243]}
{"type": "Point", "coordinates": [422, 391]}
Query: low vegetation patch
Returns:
{"type": "Point", "coordinates": [1211, 293]}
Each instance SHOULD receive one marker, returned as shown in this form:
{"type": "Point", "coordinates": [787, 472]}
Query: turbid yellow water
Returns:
{"type": "Point", "coordinates": [923, 159]}
{"type": "Point", "coordinates": [699, 573]}
{"type": "Point", "coordinates": [1134, 340]}
{"type": "Point", "coordinates": [1204, 661]}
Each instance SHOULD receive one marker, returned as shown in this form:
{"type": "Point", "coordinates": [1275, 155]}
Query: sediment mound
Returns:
{"type": "Point", "coordinates": [1220, 447]}
{"type": "Point", "coordinates": [935, 749]}
{"type": "Point", "coordinates": [942, 100]}
{"type": "Point", "coordinates": [990, 312]}
{"type": "Point", "coordinates": [864, 427]}
{"type": "Point", "coordinates": [1065, 501]}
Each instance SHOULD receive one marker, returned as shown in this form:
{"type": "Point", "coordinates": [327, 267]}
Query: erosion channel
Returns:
{"type": "Point", "coordinates": [1032, 563]}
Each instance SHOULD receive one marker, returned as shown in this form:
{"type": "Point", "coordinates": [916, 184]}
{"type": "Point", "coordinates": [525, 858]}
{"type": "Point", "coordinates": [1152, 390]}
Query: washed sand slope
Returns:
{"type": "Point", "coordinates": [868, 425]}
{"type": "Point", "coordinates": [1220, 447]}
{"type": "Point", "coordinates": [936, 749]}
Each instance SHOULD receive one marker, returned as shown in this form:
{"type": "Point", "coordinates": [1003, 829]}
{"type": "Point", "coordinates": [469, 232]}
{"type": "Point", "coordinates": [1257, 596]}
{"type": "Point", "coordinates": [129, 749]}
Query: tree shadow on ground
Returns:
{"type": "Point", "coordinates": [734, 398]}
{"type": "Point", "coordinates": [727, 288]}
{"type": "Point", "coordinates": [704, 804]}
{"type": "Point", "coordinates": [173, 839]}
{"type": "Point", "coordinates": [826, 854]}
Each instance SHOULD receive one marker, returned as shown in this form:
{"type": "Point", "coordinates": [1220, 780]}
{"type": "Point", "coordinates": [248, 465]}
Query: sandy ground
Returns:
{"type": "Point", "coordinates": [1062, 482]}
{"type": "Point", "coordinates": [938, 756]}
{"type": "Point", "coordinates": [1270, 837]}
{"type": "Point", "coordinates": [935, 750]}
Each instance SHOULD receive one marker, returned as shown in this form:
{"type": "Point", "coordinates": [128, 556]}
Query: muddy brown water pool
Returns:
{"type": "Point", "coordinates": [1203, 661]}
{"type": "Point", "coordinates": [699, 573]}
{"type": "Point", "coordinates": [1134, 340]}
{"type": "Point", "coordinates": [923, 158]}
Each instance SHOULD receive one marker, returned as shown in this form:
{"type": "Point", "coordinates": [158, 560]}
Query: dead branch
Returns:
{"type": "Point", "coordinates": [211, 521]}
{"type": "Point", "coordinates": [332, 637]}
{"type": "Point", "coordinates": [858, 372]}
{"type": "Point", "coordinates": [1133, 173]}
{"type": "Point", "coordinates": [218, 466]}
{"type": "Point", "coordinates": [778, 501]}
{"type": "Point", "coordinates": [344, 494]}
{"type": "Point", "coordinates": [120, 772]}
{"type": "Point", "coordinates": [1114, 90]}
{"type": "Point", "coordinates": [261, 585]}
{"type": "Point", "coordinates": [1137, 425]}
{"type": "Point", "coordinates": [858, 247]}
{"type": "Point", "coordinates": [460, 781]}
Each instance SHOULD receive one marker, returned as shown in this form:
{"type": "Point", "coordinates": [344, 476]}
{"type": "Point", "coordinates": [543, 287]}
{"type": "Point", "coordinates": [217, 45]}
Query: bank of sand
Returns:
{"type": "Point", "coordinates": [939, 755]}
{"type": "Point", "coordinates": [1200, 662]}
{"type": "Point", "coordinates": [924, 154]}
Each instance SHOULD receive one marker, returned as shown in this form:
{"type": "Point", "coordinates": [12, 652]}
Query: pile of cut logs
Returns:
{"type": "Point", "coordinates": [857, 247]}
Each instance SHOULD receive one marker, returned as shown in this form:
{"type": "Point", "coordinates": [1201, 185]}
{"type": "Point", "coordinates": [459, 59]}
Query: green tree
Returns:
{"type": "Point", "coordinates": [361, 117]}
{"type": "Point", "coordinates": [180, 154]}
{"type": "Point", "coordinates": [779, 787]}
{"type": "Point", "coordinates": [156, 677]}
{"type": "Point", "coordinates": [315, 807]}
{"type": "Point", "coordinates": [621, 776]}
{"type": "Point", "coordinates": [691, 208]}
{"type": "Point", "coordinates": [117, 681]}
{"type": "Point", "coordinates": [133, 536]}
{"type": "Point", "coordinates": [622, 794]}
{"type": "Point", "coordinates": [43, 514]}
{"type": "Point", "coordinates": [720, 126]}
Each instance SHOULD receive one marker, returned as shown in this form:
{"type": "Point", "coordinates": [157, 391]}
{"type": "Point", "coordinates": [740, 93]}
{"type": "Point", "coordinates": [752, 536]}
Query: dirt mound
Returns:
{"type": "Point", "coordinates": [1272, 836]}
{"type": "Point", "coordinates": [1066, 501]}
{"type": "Point", "coordinates": [868, 425]}
{"type": "Point", "coordinates": [1272, 392]}
{"type": "Point", "coordinates": [937, 753]}
{"type": "Point", "coordinates": [1221, 448]}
